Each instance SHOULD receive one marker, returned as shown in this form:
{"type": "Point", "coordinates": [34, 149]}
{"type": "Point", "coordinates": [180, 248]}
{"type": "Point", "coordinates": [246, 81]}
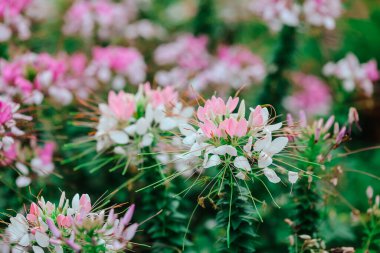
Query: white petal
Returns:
{"type": "Point", "coordinates": [159, 114]}
{"type": "Point", "coordinates": [264, 160]}
{"type": "Point", "coordinates": [42, 239]}
{"type": "Point", "coordinates": [147, 140]}
{"type": "Point", "coordinates": [247, 147]}
{"type": "Point", "coordinates": [23, 181]}
{"type": "Point", "coordinates": [242, 163]}
{"type": "Point", "coordinates": [130, 129]}
{"type": "Point", "coordinates": [240, 175]}
{"type": "Point", "coordinates": [213, 161]}
{"type": "Point", "coordinates": [75, 202]}
{"type": "Point", "coordinates": [262, 143]}
{"type": "Point", "coordinates": [24, 241]}
{"type": "Point", "coordinates": [167, 124]}
{"type": "Point", "coordinates": [293, 177]}
{"type": "Point", "coordinates": [58, 249]}
{"type": "Point", "coordinates": [142, 126]}
{"type": "Point", "coordinates": [187, 129]}
{"type": "Point", "coordinates": [37, 249]}
{"type": "Point", "coordinates": [277, 145]}
{"type": "Point", "coordinates": [274, 127]}
{"type": "Point", "coordinates": [271, 175]}
{"type": "Point", "coordinates": [225, 149]}
{"type": "Point", "coordinates": [119, 137]}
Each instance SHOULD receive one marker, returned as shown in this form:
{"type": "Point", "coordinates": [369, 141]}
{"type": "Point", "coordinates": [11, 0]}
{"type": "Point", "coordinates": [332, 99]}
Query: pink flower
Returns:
{"type": "Point", "coordinates": [234, 127]}
{"type": "Point", "coordinates": [371, 70]}
{"type": "Point", "coordinates": [46, 153]}
{"type": "Point", "coordinates": [210, 129]}
{"type": "Point", "coordinates": [310, 94]}
{"type": "Point", "coordinates": [64, 221]}
{"type": "Point", "coordinates": [322, 12]}
{"type": "Point", "coordinates": [256, 118]}
{"type": "Point", "coordinates": [8, 155]}
{"type": "Point", "coordinates": [5, 112]}
{"type": "Point", "coordinates": [33, 214]}
{"type": "Point", "coordinates": [85, 203]}
{"type": "Point", "coordinates": [122, 104]}
{"type": "Point", "coordinates": [215, 107]}
{"type": "Point", "coordinates": [157, 97]}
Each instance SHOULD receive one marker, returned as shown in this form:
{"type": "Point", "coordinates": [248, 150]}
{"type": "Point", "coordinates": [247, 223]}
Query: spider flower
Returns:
{"type": "Point", "coordinates": [322, 12]}
{"type": "Point", "coordinates": [117, 65]}
{"type": "Point", "coordinates": [69, 226]}
{"type": "Point", "coordinates": [224, 138]}
{"type": "Point", "coordinates": [279, 13]}
{"type": "Point", "coordinates": [106, 19]}
{"type": "Point", "coordinates": [10, 123]}
{"type": "Point", "coordinates": [353, 74]}
{"type": "Point", "coordinates": [310, 94]}
{"type": "Point", "coordinates": [16, 17]}
{"type": "Point", "coordinates": [134, 121]}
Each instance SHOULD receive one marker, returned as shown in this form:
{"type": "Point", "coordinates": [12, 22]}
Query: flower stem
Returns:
{"type": "Point", "coordinates": [236, 215]}
{"type": "Point", "coordinates": [276, 83]}
{"type": "Point", "coordinates": [166, 229]}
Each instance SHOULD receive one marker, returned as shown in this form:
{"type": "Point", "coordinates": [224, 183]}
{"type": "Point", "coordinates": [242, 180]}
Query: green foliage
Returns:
{"type": "Point", "coordinates": [236, 214]}
{"type": "Point", "coordinates": [276, 83]}
{"type": "Point", "coordinates": [167, 229]}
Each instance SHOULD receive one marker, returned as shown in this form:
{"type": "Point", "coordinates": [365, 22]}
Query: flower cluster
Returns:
{"type": "Point", "coordinates": [10, 121]}
{"type": "Point", "coordinates": [39, 158]}
{"type": "Point", "coordinates": [227, 139]}
{"type": "Point", "coordinates": [106, 19]}
{"type": "Point", "coordinates": [310, 94]}
{"type": "Point", "coordinates": [138, 120]}
{"type": "Point", "coordinates": [353, 74]}
{"type": "Point", "coordinates": [69, 228]}
{"type": "Point", "coordinates": [278, 13]}
{"type": "Point", "coordinates": [233, 66]}
{"type": "Point", "coordinates": [326, 135]}
{"type": "Point", "coordinates": [117, 65]}
{"type": "Point", "coordinates": [16, 17]}
{"type": "Point", "coordinates": [33, 76]}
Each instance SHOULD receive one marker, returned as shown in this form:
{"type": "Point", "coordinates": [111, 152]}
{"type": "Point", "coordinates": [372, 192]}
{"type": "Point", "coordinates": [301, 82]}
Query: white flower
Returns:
{"type": "Point", "coordinates": [119, 137]}
{"type": "Point", "coordinates": [213, 161]}
{"type": "Point", "coordinates": [18, 230]}
{"type": "Point", "coordinates": [268, 148]}
{"type": "Point", "coordinates": [293, 177]}
{"type": "Point", "coordinates": [241, 162]}
{"type": "Point", "coordinates": [271, 175]}
{"type": "Point", "coordinates": [224, 149]}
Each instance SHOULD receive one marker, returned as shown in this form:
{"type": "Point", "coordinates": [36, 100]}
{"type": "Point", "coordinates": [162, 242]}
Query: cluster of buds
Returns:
{"type": "Point", "coordinates": [232, 67]}
{"type": "Point", "coordinates": [223, 139]}
{"type": "Point", "coordinates": [130, 122]}
{"type": "Point", "coordinates": [306, 243]}
{"type": "Point", "coordinates": [353, 74]}
{"type": "Point", "coordinates": [10, 121]}
{"type": "Point", "coordinates": [310, 94]}
{"type": "Point", "coordinates": [69, 228]}
{"type": "Point", "coordinates": [277, 13]}
{"type": "Point", "coordinates": [105, 19]}
{"type": "Point", "coordinates": [16, 17]}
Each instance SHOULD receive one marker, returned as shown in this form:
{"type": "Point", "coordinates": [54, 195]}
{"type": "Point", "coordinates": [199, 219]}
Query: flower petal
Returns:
{"type": "Point", "coordinates": [271, 175]}
{"type": "Point", "coordinates": [213, 161]}
{"type": "Point", "coordinates": [119, 137]}
{"type": "Point", "coordinates": [242, 163]}
{"type": "Point", "coordinates": [293, 177]}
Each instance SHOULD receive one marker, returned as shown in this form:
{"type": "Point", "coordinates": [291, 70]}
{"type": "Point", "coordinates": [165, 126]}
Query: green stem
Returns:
{"type": "Point", "coordinates": [165, 230]}
{"type": "Point", "coordinates": [236, 215]}
{"type": "Point", "coordinates": [205, 22]}
{"type": "Point", "coordinates": [276, 83]}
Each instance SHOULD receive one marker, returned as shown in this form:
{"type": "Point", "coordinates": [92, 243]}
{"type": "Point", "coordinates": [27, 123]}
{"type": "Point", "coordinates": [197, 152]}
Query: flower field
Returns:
{"type": "Point", "coordinates": [189, 126]}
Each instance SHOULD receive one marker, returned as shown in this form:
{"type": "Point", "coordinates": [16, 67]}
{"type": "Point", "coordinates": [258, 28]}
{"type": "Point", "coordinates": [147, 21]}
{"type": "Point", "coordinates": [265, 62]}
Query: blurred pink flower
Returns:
{"type": "Point", "coordinates": [310, 94]}
{"type": "Point", "coordinates": [122, 104]}
{"type": "Point", "coordinates": [322, 12]}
